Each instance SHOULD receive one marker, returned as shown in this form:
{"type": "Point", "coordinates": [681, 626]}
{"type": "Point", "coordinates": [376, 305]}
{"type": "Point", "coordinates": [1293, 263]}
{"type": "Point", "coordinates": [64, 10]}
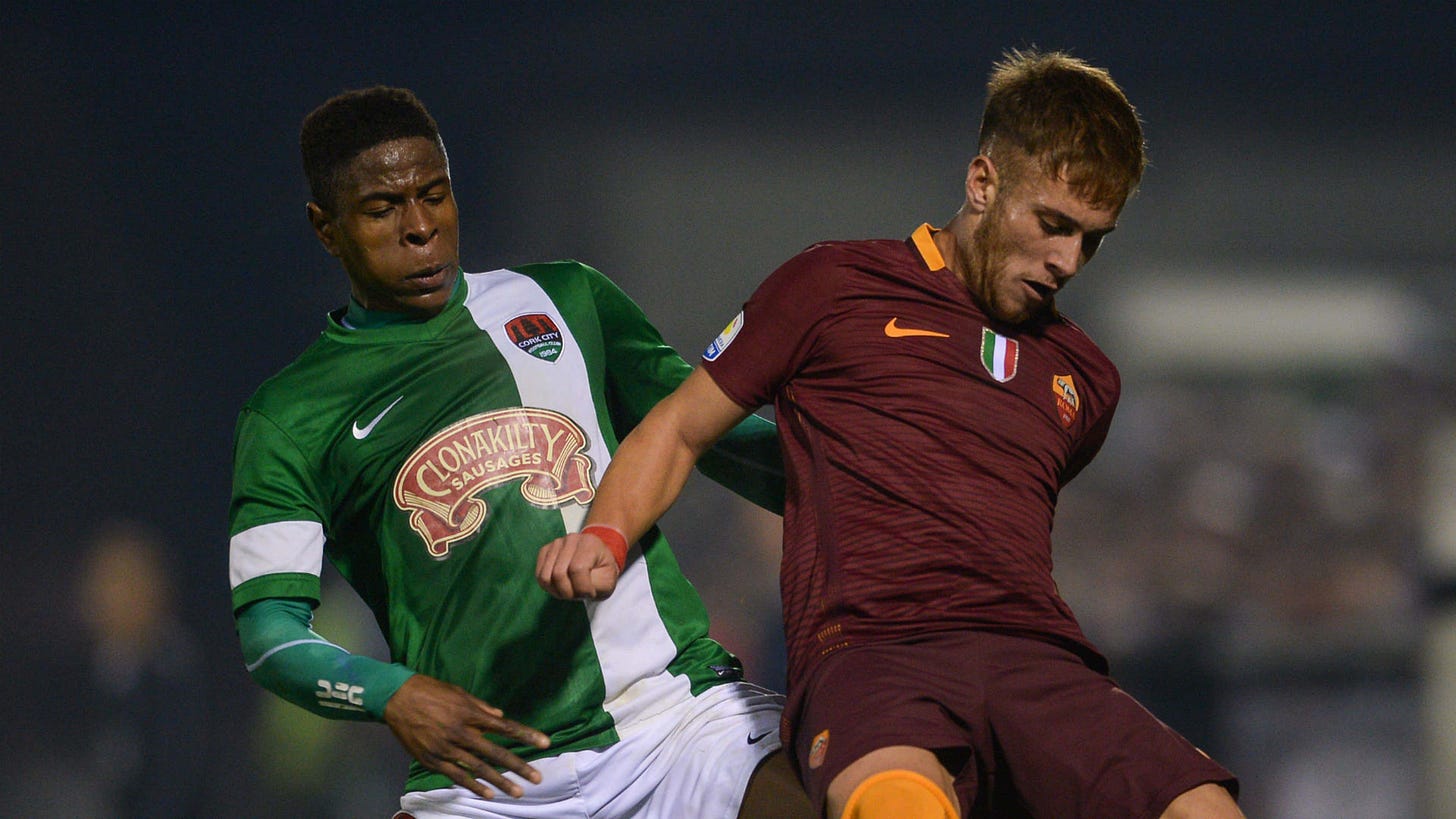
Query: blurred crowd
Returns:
{"type": "Point", "coordinates": [1248, 554]}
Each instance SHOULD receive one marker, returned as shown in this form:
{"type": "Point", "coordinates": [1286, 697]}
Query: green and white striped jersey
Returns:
{"type": "Point", "coordinates": [430, 461]}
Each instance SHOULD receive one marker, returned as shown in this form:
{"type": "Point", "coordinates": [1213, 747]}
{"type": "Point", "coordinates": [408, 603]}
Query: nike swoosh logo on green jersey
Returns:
{"type": "Point", "coordinates": [360, 433]}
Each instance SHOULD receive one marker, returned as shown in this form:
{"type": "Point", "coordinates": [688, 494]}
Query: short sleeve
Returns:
{"type": "Point", "coordinates": [276, 535]}
{"type": "Point", "coordinates": [772, 338]}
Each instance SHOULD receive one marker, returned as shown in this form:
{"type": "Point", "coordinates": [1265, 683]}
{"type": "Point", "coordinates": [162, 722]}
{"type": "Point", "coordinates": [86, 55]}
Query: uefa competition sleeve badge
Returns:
{"type": "Point", "coordinates": [724, 338]}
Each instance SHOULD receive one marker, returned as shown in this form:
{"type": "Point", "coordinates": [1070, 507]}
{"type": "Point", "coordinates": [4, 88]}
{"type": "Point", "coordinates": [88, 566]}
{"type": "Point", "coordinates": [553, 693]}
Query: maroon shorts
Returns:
{"type": "Point", "coordinates": [1025, 727]}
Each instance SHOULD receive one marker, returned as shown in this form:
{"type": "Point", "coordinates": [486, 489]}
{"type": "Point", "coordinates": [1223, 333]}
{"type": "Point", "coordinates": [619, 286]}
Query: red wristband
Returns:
{"type": "Point", "coordinates": [615, 540]}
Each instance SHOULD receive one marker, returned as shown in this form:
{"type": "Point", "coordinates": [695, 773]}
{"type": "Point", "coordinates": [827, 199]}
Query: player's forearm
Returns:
{"type": "Point", "coordinates": [286, 657]}
{"type": "Point", "coordinates": [647, 473]}
{"type": "Point", "coordinates": [651, 466]}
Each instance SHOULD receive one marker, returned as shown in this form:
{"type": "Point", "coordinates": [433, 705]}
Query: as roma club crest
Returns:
{"type": "Point", "coordinates": [819, 748]}
{"type": "Point", "coordinates": [1067, 402]}
{"type": "Point", "coordinates": [536, 334]}
{"type": "Point", "coordinates": [540, 449]}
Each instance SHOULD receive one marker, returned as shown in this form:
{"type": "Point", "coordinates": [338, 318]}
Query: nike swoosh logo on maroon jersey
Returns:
{"type": "Point", "coordinates": [894, 330]}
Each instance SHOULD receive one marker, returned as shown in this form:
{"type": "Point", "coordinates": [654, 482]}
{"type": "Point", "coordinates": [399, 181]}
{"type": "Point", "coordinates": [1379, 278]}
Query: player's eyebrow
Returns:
{"type": "Point", "coordinates": [394, 197]}
{"type": "Point", "coordinates": [1064, 219]}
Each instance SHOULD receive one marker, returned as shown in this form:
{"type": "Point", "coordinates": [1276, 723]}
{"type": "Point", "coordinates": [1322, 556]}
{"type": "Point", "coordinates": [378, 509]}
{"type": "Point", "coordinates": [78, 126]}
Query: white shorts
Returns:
{"type": "Point", "coordinates": [692, 759]}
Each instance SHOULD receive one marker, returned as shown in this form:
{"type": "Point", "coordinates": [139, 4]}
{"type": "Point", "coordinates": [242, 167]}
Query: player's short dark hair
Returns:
{"type": "Point", "coordinates": [1070, 118]}
{"type": "Point", "coordinates": [353, 122]}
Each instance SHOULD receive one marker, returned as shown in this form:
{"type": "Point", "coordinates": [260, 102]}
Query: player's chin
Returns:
{"type": "Point", "coordinates": [1022, 312]}
{"type": "Point", "coordinates": [424, 303]}
{"type": "Point", "coordinates": [1014, 314]}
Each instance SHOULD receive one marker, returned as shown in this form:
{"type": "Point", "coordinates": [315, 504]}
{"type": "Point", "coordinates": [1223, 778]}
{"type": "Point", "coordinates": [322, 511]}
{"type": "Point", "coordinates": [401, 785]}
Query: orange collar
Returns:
{"type": "Point", "coordinates": [926, 245]}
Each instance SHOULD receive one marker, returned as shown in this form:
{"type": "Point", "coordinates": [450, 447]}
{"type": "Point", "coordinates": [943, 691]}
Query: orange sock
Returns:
{"type": "Point", "coordinates": [898, 794]}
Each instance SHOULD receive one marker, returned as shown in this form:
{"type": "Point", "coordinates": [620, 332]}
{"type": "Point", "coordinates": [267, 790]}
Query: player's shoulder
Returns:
{"type": "Point", "coordinates": [286, 380]}
{"type": "Point", "coordinates": [1078, 343]}
{"type": "Point", "coordinates": [290, 390]}
{"type": "Point", "coordinates": [851, 251]}
{"type": "Point", "coordinates": [565, 281]}
{"type": "Point", "coordinates": [560, 270]}
{"type": "Point", "coordinates": [834, 259]}
{"type": "Point", "coordinates": [1071, 332]}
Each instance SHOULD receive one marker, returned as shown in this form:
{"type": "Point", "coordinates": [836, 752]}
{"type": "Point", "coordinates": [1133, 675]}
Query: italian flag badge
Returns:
{"type": "Point", "coordinates": [998, 355]}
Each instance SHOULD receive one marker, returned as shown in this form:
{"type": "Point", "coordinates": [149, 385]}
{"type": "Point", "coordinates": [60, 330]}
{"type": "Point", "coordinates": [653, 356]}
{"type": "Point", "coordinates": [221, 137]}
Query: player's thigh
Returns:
{"type": "Point", "coordinates": [892, 758]}
{"type": "Point", "coordinates": [774, 792]}
{"type": "Point", "coordinates": [559, 787]}
{"type": "Point", "coordinates": [1076, 745]}
{"type": "Point", "coordinates": [704, 766]}
{"type": "Point", "coordinates": [868, 698]}
{"type": "Point", "coordinates": [695, 758]}
{"type": "Point", "coordinates": [1206, 801]}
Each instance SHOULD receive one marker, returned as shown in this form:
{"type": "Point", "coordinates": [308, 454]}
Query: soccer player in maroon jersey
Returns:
{"type": "Point", "coordinates": [931, 404]}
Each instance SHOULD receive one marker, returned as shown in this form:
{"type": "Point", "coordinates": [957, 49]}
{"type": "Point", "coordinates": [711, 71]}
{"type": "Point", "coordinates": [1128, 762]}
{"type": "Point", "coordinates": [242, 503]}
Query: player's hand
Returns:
{"type": "Point", "coordinates": [578, 566]}
{"type": "Point", "coordinates": [440, 724]}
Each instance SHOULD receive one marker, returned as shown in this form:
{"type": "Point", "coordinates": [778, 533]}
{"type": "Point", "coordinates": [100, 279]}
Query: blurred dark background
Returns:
{"type": "Point", "coordinates": [1266, 549]}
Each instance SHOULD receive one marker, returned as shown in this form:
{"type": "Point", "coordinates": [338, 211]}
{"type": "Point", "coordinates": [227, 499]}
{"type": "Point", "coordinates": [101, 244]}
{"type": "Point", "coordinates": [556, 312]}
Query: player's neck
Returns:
{"type": "Point", "coordinates": [948, 241]}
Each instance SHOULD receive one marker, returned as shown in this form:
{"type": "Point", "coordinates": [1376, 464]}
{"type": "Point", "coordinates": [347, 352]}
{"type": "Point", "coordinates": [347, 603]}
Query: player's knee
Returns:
{"type": "Point", "coordinates": [898, 794]}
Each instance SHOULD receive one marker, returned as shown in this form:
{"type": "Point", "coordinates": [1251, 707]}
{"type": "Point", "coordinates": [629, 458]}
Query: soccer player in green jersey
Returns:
{"type": "Point", "coordinates": [441, 427]}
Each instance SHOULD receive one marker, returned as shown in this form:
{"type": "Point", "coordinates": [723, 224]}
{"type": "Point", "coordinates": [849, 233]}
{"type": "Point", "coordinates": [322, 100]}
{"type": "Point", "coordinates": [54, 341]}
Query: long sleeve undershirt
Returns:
{"type": "Point", "coordinates": [284, 655]}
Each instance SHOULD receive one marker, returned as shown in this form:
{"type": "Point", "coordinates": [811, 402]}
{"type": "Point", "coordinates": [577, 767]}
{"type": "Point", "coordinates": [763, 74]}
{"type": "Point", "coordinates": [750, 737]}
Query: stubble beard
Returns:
{"type": "Point", "coordinates": [985, 262]}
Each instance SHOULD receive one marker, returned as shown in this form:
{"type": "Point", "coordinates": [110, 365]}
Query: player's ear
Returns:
{"type": "Point", "coordinates": [324, 227]}
{"type": "Point", "coordinates": [981, 182]}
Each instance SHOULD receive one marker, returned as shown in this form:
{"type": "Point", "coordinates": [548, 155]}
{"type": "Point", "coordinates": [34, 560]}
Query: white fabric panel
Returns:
{"type": "Point", "coordinates": [287, 546]}
{"type": "Point", "coordinates": [631, 640]}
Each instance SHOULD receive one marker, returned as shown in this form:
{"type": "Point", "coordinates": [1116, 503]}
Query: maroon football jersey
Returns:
{"type": "Point", "coordinates": [925, 445]}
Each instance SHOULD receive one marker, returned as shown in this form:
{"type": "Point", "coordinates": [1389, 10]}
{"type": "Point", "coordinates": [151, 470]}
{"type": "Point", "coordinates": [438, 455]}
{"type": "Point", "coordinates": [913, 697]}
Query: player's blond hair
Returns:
{"type": "Point", "coordinates": [1068, 117]}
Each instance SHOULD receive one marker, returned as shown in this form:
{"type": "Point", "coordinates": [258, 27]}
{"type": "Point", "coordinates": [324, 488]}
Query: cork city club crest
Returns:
{"type": "Point", "coordinates": [998, 355]}
{"type": "Point", "coordinates": [439, 483]}
{"type": "Point", "coordinates": [1065, 390]}
{"type": "Point", "coordinates": [535, 334]}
